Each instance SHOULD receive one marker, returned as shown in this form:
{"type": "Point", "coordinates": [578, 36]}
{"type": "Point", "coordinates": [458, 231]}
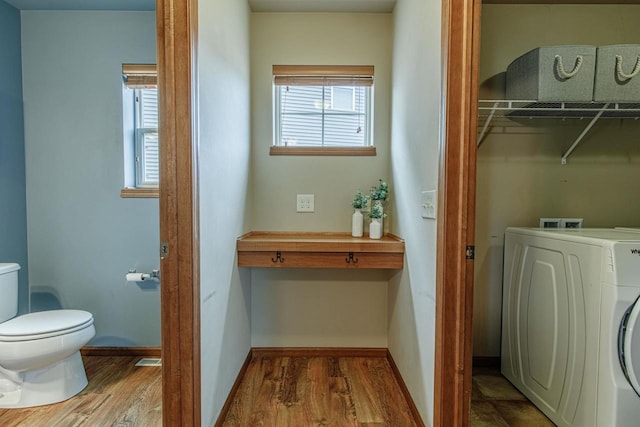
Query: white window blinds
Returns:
{"type": "Point", "coordinates": [146, 144]}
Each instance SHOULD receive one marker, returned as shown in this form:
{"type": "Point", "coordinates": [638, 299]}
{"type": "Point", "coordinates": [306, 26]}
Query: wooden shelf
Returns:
{"type": "Point", "coordinates": [319, 250]}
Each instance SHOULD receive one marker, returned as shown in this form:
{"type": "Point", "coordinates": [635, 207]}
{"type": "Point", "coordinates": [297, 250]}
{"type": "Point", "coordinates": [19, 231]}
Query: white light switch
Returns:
{"type": "Point", "coordinates": [306, 203]}
{"type": "Point", "coordinates": [429, 205]}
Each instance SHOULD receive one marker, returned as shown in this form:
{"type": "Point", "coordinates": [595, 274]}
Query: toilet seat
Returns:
{"type": "Point", "coordinates": [44, 324]}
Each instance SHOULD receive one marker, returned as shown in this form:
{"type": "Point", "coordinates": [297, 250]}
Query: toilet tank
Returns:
{"type": "Point", "coordinates": [8, 291]}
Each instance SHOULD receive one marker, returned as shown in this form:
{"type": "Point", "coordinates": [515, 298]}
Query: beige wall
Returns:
{"type": "Point", "coordinates": [520, 178]}
{"type": "Point", "coordinates": [314, 307]}
{"type": "Point", "coordinates": [315, 38]}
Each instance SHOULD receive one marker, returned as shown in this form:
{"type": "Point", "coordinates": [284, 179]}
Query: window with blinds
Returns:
{"type": "Point", "coordinates": [323, 106]}
{"type": "Point", "coordinates": [140, 86]}
{"type": "Point", "coordinates": [147, 159]}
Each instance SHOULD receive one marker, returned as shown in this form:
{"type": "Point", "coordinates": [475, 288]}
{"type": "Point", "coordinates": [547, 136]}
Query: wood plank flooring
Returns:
{"type": "Point", "coordinates": [119, 394]}
{"type": "Point", "coordinates": [319, 391]}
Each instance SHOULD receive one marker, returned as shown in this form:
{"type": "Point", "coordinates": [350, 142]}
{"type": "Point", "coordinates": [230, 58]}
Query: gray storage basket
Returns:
{"type": "Point", "coordinates": [617, 73]}
{"type": "Point", "coordinates": [553, 74]}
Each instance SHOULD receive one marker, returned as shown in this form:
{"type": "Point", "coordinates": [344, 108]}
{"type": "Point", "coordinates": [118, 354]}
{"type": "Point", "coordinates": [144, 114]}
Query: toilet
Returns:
{"type": "Point", "coordinates": [40, 360]}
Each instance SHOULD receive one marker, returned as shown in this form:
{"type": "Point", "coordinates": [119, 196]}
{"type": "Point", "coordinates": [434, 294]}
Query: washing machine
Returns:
{"type": "Point", "coordinates": [571, 323]}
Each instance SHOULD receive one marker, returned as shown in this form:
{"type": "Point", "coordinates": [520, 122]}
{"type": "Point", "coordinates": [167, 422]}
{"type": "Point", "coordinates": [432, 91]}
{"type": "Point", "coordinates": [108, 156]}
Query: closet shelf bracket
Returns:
{"type": "Point", "coordinates": [487, 122]}
{"type": "Point", "coordinates": [582, 134]}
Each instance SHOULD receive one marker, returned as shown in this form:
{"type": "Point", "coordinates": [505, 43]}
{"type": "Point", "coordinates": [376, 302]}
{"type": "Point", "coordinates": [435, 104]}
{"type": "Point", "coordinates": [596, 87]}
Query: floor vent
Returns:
{"type": "Point", "coordinates": [149, 362]}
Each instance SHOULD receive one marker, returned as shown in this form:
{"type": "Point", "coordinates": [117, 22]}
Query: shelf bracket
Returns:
{"type": "Point", "coordinates": [487, 122]}
{"type": "Point", "coordinates": [584, 132]}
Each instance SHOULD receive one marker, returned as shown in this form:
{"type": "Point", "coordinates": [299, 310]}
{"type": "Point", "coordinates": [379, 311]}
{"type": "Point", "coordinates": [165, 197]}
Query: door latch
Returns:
{"type": "Point", "coordinates": [164, 250]}
{"type": "Point", "coordinates": [470, 252]}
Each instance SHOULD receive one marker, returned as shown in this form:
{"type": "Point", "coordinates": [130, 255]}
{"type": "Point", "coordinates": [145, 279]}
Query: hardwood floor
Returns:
{"type": "Point", "coordinates": [276, 391]}
{"type": "Point", "coordinates": [119, 394]}
{"type": "Point", "coordinates": [319, 391]}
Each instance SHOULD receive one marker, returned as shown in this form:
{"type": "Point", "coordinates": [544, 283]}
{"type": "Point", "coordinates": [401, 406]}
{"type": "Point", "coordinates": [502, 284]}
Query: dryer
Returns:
{"type": "Point", "coordinates": [571, 323]}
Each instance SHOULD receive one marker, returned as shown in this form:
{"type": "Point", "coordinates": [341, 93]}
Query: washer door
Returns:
{"type": "Point", "coordinates": [629, 345]}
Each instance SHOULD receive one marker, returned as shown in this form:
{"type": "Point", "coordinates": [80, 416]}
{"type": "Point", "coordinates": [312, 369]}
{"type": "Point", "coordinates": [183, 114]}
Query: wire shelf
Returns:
{"type": "Point", "coordinates": [578, 110]}
{"type": "Point", "coordinates": [490, 110]}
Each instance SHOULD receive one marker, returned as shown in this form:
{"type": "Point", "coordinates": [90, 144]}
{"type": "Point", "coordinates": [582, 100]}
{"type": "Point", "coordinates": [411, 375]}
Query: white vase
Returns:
{"type": "Point", "coordinates": [357, 223]}
{"type": "Point", "coordinates": [375, 228]}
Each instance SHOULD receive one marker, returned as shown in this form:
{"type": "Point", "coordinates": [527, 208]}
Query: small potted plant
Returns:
{"type": "Point", "coordinates": [381, 192]}
{"type": "Point", "coordinates": [376, 215]}
{"type": "Point", "coordinates": [357, 220]}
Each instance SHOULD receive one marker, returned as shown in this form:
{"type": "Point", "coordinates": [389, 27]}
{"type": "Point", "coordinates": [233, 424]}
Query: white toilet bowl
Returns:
{"type": "Point", "coordinates": [40, 361]}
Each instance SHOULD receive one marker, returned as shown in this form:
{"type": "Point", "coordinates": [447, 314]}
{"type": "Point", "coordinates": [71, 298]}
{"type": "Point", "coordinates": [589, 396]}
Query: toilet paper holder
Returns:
{"type": "Point", "coordinates": [133, 274]}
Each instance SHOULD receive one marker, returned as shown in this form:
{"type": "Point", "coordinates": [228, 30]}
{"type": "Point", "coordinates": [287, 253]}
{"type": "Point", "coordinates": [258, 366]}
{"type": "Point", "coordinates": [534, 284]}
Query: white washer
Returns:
{"type": "Point", "coordinates": [571, 323]}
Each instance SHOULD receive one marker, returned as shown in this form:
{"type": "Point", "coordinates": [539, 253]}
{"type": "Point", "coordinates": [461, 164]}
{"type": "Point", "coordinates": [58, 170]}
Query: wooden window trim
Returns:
{"type": "Point", "coordinates": [323, 70]}
{"type": "Point", "coordinates": [139, 193]}
{"type": "Point", "coordinates": [140, 76]}
{"type": "Point", "coordinates": [276, 150]}
{"type": "Point", "coordinates": [286, 74]}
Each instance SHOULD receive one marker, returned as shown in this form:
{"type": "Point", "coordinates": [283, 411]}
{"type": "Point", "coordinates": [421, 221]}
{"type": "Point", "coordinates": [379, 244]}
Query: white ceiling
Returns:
{"type": "Point", "coordinates": [373, 6]}
{"type": "Point", "coordinates": [376, 6]}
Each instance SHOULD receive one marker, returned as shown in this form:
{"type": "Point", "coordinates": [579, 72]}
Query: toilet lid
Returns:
{"type": "Point", "coordinates": [44, 324]}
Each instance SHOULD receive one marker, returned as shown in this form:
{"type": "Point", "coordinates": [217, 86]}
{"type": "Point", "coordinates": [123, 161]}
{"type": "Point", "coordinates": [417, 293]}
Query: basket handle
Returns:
{"type": "Point", "coordinates": [621, 74]}
{"type": "Point", "coordinates": [560, 68]}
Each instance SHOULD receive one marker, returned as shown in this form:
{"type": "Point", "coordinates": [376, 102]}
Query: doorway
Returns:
{"type": "Point", "coordinates": [177, 25]}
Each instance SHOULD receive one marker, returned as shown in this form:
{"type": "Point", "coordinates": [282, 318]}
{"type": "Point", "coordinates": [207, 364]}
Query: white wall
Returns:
{"type": "Point", "coordinates": [82, 237]}
{"type": "Point", "coordinates": [414, 161]}
{"type": "Point", "coordinates": [316, 307]}
{"type": "Point", "coordinates": [224, 149]}
{"type": "Point", "coordinates": [519, 175]}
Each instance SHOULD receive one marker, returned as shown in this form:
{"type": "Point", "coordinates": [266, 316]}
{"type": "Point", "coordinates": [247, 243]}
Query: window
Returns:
{"type": "Point", "coordinates": [140, 108]}
{"type": "Point", "coordinates": [323, 110]}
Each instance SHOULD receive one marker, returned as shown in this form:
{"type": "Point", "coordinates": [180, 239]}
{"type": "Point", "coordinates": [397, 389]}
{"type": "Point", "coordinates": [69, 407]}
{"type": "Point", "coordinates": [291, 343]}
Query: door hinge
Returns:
{"type": "Point", "coordinates": [164, 250]}
{"type": "Point", "coordinates": [470, 252]}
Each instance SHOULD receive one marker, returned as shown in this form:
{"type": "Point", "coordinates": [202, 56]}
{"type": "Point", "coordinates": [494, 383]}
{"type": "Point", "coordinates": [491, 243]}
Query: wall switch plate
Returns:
{"type": "Point", "coordinates": [306, 203]}
{"type": "Point", "coordinates": [429, 205]}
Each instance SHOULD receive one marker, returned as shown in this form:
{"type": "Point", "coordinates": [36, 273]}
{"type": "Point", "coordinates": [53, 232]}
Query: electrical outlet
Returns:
{"type": "Point", "coordinates": [550, 222]}
{"type": "Point", "coordinates": [429, 205]}
{"type": "Point", "coordinates": [306, 203]}
{"type": "Point", "coordinates": [570, 222]}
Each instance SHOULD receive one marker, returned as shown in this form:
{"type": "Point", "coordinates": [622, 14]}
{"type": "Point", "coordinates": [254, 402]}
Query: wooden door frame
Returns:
{"type": "Point", "coordinates": [456, 210]}
{"type": "Point", "coordinates": [176, 26]}
{"type": "Point", "coordinates": [179, 222]}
